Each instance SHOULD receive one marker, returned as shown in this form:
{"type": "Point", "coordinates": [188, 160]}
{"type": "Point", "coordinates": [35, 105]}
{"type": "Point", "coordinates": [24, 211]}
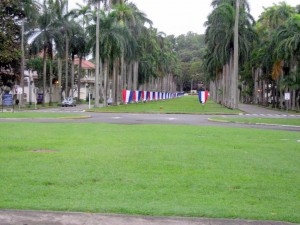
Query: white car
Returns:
{"type": "Point", "coordinates": [68, 102]}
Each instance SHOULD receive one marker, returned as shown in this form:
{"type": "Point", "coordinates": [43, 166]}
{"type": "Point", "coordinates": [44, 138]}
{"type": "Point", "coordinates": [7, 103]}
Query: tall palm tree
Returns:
{"type": "Point", "coordinates": [234, 86]}
{"type": "Point", "coordinates": [77, 47]}
{"type": "Point", "coordinates": [97, 5]}
{"type": "Point", "coordinates": [60, 38]}
{"type": "Point", "coordinates": [84, 16]}
{"type": "Point", "coordinates": [271, 64]}
{"type": "Point", "coordinates": [43, 37]}
{"type": "Point", "coordinates": [30, 9]}
{"type": "Point", "coordinates": [228, 26]}
{"type": "Point", "coordinates": [129, 15]}
{"type": "Point", "coordinates": [113, 41]}
{"type": "Point", "coordinates": [288, 49]}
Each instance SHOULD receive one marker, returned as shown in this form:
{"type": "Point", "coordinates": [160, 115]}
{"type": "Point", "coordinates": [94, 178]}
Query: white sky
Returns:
{"type": "Point", "coordinates": [179, 17]}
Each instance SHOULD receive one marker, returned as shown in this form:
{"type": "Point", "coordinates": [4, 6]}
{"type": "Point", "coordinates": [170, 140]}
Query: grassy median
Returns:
{"type": "Point", "coordinates": [183, 105]}
{"type": "Point", "coordinates": [161, 170]}
{"type": "Point", "coordinates": [271, 121]}
{"type": "Point", "coordinates": [36, 115]}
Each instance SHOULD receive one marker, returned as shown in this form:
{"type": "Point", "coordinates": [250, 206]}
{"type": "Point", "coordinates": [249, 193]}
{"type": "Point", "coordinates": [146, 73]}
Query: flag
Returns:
{"type": "Point", "coordinates": [203, 95]}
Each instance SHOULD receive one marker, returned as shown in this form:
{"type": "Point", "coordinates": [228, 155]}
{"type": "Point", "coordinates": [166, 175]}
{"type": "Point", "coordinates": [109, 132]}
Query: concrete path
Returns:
{"type": "Point", "coordinates": [13, 217]}
{"type": "Point", "coordinates": [253, 109]}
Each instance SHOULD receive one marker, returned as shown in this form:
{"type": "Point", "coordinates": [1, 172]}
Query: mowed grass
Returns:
{"type": "Point", "coordinates": [185, 104]}
{"type": "Point", "coordinates": [274, 121]}
{"type": "Point", "coordinates": [159, 170]}
{"type": "Point", "coordinates": [27, 115]}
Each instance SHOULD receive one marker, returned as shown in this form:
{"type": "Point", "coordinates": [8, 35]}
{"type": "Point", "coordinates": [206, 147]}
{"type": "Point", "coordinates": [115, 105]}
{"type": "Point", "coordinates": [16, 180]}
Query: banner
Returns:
{"type": "Point", "coordinates": [129, 96]}
{"type": "Point", "coordinates": [203, 96]}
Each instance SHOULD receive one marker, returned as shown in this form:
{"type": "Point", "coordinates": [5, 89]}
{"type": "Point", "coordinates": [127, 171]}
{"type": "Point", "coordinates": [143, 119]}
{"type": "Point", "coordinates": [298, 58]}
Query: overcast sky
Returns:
{"type": "Point", "coordinates": [179, 17]}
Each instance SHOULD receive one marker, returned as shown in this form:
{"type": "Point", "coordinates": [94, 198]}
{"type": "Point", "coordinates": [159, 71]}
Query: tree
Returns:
{"type": "Point", "coordinates": [11, 14]}
{"type": "Point", "coordinates": [268, 67]}
{"type": "Point", "coordinates": [77, 47]}
{"type": "Point", "coordinates": [43, 37]}
{"type": "Point", "coordinates": [84, 14]}
{"type": "Point", "coordinates": [96, 3]}
{"type": "Point", "coordinates": [235, 77]}
{"type": "Point", "coordinates": [224, 24]}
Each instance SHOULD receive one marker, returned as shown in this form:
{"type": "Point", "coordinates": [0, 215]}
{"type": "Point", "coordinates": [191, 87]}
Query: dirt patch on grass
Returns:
{"type": "Point", "coordinates": [43, 150]}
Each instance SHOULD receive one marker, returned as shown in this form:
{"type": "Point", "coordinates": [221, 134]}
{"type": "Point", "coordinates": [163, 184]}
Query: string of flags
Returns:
{"type": "Point", "coordinates": [129, 96]}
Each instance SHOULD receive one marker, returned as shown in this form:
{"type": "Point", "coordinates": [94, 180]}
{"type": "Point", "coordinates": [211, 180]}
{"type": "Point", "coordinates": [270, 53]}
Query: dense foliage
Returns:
{"type": "Point", "coordinates": [10, 16]}
{"type": "Point", "coordinates": [237, 58]}
{"type": "Point", "coordinates": [268, 54]}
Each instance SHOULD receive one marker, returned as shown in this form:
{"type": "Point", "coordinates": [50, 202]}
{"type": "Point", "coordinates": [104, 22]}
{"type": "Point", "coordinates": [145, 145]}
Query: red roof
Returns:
{"type": "Point", "coordinates": [85, 64]}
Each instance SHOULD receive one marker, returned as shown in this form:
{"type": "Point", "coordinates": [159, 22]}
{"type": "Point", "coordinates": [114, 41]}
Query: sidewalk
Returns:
{"type": "Point", "coordinates": [15, 217]}
{"type": "Point", "coordinates": [253, 109]}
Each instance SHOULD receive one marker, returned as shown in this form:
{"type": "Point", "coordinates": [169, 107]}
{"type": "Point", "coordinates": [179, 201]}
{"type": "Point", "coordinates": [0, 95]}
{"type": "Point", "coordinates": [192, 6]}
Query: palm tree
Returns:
{"type": "Point", "coordinates": [84, 14]}
{"type": "Point", "coordinates": [60, 39]}
{"type": "Point", "coordinates": [77, 47]}
{"type": "Point", "coordinates": [270, 65]}
{"type": "Point", "coordinates": [228, 26]}
{"type": "Point", "coordinates": [30, 8]}
{"type": "Point", "coordinates": [235, 77]}
{"type": "Point", "coordinates": [288, 49]}
{"type": "Point", "coordinates": [113, 41]}
{"type": "Point", "coordinates": [96, 3]}
{"type": "Point", "coordinates": [44, 36]}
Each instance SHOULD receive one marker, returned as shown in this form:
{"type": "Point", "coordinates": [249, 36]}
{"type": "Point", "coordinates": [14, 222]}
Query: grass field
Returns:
{"type": "Point", "coordinates": [27, 115]}
{"type": "Point", "coordinates": [274, 121]}
{"type": "Point", "coordinates": [186, 104]}
{"type": "Point", "coordinates": [151, 170]}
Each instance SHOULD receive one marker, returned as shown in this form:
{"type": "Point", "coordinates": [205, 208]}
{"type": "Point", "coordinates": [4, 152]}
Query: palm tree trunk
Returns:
{"type": "Point", "coordinates": [50, 83]}
{"type": "Point", "coordinates": [44, 75]}
{"type": "Point", "coordinates": [114, 84]}
{"type": "Point", "coordinates": [67, 66]}
{"type": "Point", "coordinates": [124, 74]}
{"type": "Point", "coordinates": [129, 74]}
{"type": "Point", "coordinates": [22, 64]}
{"type": "Point", "coordinates": [105, 74]}
{"type": "Point", "coordinates": [234, 86]}
{"type": "Point", "coordinates": [135, 75]}
{"type": "Point", "coordinates": [72, 76]}
{"type": "Point", "coordinates": [101, 78]}
{"type": "Point", "coordinates": [97, 56]}
{"type": "Point", "coordinates": [79, 77]}
{"type": "Point", "coordinates": [59, 67]}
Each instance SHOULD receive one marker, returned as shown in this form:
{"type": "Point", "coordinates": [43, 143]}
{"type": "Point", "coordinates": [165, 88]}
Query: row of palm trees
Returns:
{"type": "Point", "coordinates": [128, 52]}
{"type": "Point", "coordinates": [268, 53]}
{"type": "Point", "coordinates": [279, 34]}
{"type": "Point", "coordinates": [229, 38]}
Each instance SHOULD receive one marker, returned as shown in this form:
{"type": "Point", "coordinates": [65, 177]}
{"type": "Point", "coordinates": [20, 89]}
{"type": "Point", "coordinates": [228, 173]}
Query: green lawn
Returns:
{"type": "Point", "coordinates": [160, 170]}
{"type": "Point", "coordinates": [278, 121]}
{"type": "Point", "coordinates": [186, 104]}
{"type": "Point", "coordinates": [27, 115]}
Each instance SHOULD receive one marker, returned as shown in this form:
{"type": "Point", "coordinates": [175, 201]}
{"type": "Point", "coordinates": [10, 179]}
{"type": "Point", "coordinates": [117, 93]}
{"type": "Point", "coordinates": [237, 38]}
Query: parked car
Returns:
{"type": "Point", "coordinates": [68, 102]}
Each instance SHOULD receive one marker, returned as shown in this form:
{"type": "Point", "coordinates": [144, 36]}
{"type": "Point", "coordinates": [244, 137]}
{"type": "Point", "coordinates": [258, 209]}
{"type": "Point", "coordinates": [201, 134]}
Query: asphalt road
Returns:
{"type": "Point", "coordinates": [182, 119]}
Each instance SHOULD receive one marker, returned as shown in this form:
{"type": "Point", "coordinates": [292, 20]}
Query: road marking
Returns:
{"type": "Point", "coordinates": [116, 117]}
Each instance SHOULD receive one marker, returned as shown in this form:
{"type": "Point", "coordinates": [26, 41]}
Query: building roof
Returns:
{"type": "Point", "coordinates": [85, 64]}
